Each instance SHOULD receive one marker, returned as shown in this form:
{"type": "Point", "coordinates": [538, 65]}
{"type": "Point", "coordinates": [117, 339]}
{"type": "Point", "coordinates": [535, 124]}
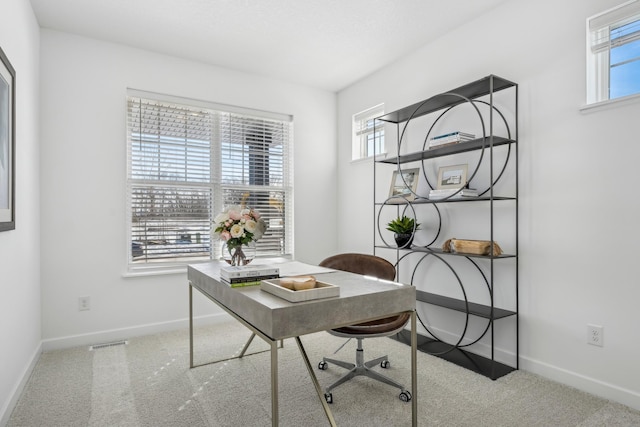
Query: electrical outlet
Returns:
{"type": "Point", "coordinates": [595, 335]}
{"type": "Point", "coordinates": [84, 303]}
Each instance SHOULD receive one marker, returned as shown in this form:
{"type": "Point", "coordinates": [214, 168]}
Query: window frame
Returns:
{"type": "Point", "coordinates": [216, 185]}
{"type": "Point", "coordinates": [363, 135]}
{"type": "Point", "coordinates": [598, 47]}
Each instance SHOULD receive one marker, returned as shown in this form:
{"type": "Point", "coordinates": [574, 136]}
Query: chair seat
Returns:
{"type": "Point", "coordinates": [375, 327]}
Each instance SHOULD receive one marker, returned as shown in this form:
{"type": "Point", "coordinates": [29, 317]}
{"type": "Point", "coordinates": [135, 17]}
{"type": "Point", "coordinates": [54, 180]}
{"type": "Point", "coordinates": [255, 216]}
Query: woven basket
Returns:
{"type": "Point", "coordinates": [475, 247]}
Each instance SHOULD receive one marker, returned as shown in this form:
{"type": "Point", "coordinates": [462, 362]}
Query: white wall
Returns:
{"type": "Point", "coordinates": [20, 248]}
{"type": "Point", "coordinates": [84, 84]}
{"type": "Point", "coordinates": [578, 212]}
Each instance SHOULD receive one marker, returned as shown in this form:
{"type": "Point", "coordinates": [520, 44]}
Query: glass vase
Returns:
{"type": "Point", "coordinates": [238, 255]}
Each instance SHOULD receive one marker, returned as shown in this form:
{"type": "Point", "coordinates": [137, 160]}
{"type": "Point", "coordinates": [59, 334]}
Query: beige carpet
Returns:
{"type": "Point", "coordinates": [148, 383]}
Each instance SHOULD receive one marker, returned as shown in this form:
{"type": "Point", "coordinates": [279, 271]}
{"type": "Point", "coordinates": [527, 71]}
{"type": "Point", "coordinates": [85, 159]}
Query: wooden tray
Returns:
{"type": "Point", "coordinates": [476, 247]}
{"type": "Point", "coordinates": [322, 290]}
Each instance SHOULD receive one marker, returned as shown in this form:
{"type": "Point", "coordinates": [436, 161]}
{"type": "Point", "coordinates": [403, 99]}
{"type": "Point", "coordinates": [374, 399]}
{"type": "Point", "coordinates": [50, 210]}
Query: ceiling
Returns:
{"type": "Point", "coordinates": [327, 44]}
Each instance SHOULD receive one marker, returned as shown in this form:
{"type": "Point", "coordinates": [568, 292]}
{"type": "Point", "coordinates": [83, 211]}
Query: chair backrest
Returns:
{"type": "Point", "coordinates": [369, 265]}
{"type": "Point", "coordinates": [364, 264]}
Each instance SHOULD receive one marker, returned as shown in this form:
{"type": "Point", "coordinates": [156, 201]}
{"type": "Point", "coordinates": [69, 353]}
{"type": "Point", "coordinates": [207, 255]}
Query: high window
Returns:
{"type": "Point", "coordinates": [613, 53]}
{"type": "Point", "coordinates": [367, 139]}
{"type": "Point", "coordinates": [189, 161]}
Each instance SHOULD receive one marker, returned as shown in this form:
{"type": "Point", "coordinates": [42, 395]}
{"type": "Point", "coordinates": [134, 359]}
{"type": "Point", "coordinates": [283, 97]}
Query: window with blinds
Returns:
{"type": "Point", "coordinates": [188, 163]}
{"type": "Point", "coordinates": [613, 52]}
{"type": "Point", "coordinates": [367, 139]}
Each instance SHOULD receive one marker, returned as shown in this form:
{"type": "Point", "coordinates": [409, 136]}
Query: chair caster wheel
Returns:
{"type": "Point", "coordinates": [405, 396]}
{"type": "Point", "coordinates": [385, 364]}
{"type": "Point", "coordinates": [328, 397]}
{"type": "Point", "coordinates": [323, 366]}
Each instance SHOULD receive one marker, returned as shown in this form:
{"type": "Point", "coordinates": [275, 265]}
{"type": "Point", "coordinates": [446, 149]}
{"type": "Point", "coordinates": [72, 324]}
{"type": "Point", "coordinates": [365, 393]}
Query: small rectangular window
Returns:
{"type": "Point", "coordinates": [368, 139]}
{"type": "Point", "coordinates": [613, 53]}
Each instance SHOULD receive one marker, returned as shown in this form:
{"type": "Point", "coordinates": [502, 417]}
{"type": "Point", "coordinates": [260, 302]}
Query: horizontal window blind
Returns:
{"type": "Point", "coordinates": [617, 16]}
{"type": "Point", "coordinates": [255, 171]}
{"type": "Point", "coordinates": [186, 164]}
{"type": "Point", "coordinates": [271, 205]}
{"type": "Point", "coordinates": [169, 143]}
{"type": "Point", "coordinates": [610, 37]}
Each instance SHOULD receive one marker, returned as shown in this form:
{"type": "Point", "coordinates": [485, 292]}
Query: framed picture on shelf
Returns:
{"type": "Point", "coordinates": [452, 177]}
{"type": "Point", "coordinates": [7, 144]}
{"type": "Point", "coordinates": [404, 184]}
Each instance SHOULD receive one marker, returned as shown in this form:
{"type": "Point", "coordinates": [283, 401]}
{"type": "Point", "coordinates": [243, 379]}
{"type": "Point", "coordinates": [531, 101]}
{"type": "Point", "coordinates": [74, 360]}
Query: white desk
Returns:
{"type": "Point", "coordinates": [273, 318]}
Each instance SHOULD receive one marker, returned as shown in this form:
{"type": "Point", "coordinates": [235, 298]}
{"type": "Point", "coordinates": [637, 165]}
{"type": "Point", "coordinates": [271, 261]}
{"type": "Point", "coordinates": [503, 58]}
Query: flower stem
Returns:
{"type": "Point", "coordinates": [237, 256]}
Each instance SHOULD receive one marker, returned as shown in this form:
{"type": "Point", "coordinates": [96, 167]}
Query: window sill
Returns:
{"type": "Point", "coordinates": [164, 270]}
{"type": "Point", "coordinates": [154, 271]}
{"type": "Point", "coordinates": [611, 103]}
{"type": "Point", "coordinates": [380, 156]}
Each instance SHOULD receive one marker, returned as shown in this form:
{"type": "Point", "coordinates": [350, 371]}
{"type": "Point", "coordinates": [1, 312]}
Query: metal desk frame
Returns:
{"type": "Point", "coordinates": [273, 343]}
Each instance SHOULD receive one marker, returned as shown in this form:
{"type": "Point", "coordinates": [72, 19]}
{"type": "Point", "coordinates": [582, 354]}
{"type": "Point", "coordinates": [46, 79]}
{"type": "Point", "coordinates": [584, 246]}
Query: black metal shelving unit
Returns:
{"type": "Point", "coordinates": [474, 93]}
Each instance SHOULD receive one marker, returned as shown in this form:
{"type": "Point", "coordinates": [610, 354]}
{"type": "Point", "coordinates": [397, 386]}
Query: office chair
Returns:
{"type": "Point", "coordinates": [368, 265]}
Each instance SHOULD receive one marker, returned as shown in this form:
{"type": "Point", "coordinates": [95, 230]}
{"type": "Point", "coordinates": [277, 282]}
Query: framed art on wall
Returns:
{"type": "Point", "coordinates": [7, 144]}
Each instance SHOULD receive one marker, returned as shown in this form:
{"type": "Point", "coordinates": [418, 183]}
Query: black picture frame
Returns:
{"type": "Point", "coordinates": [7, 144]}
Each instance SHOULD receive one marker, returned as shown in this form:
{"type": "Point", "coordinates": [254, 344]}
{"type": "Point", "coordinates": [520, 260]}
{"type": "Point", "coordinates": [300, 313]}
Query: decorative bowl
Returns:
{"type": "Point", "coordinates": [299, 283]}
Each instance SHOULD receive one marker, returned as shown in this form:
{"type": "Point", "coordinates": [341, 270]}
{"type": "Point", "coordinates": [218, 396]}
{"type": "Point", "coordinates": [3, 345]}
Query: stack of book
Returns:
{"type": "Point", "coordinates": [247, 275]}
{"type": "Point", "coordinates": [450, 138]}
{"type": "Point", "coordinates": [444, 193]}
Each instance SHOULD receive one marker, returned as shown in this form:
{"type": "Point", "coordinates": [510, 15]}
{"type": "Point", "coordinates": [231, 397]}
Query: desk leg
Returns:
{"type": "Point", "coordinates": [414, 371]}
{"type": "Point", "coordinates": [274, 383]}
{"type": "Point", "coordinates": [190, 325]}
{"type": "Point", "coordinates": [316, 384]}
{"type": "Point", "coordinates": [246, 346]}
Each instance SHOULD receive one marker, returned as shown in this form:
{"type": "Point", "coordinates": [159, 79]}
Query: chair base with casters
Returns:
{"type": "Point", "coordinates": [362, 368]}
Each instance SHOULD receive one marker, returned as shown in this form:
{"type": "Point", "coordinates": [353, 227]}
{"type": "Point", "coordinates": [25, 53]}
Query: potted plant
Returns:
{"type": "Point", "coordinates": [403, 229]}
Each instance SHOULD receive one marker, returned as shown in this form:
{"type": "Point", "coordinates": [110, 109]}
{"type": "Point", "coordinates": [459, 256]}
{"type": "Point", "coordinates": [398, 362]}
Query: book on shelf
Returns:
{"type": "Point", "coordinates": [444, 193]}
{"type": "Point", "coordinates": [458, 134]}
{"type": "Point", "coordinates": [450, 138]}
{"type": "Point", "coordinates": [442, 144]}
{"type": "Point", "coordinates": [255, 271]}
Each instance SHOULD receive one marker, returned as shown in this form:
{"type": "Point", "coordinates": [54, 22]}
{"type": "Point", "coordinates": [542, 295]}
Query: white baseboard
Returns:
{"type": "Point", "coordinates": [126, 333]}
{"type": "Point", "coordinates": [7, 409]}
{"type": "Point", "coordinates": [584, 383]}
{"type": "Point", "coordinates": [589, 385]}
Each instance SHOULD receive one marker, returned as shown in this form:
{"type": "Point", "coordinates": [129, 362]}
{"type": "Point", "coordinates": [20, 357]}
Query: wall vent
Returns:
{"type": "Point", "coordinates": [108, 344]}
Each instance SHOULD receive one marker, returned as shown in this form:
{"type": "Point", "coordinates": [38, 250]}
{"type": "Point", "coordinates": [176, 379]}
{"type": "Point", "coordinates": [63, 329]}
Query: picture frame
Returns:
{"type": "Point", "coordinates": [7, 144]}
{"type": "Point", "coordinates": [452, 177]}
{"type": "Point", "coordinates": [404, 183]}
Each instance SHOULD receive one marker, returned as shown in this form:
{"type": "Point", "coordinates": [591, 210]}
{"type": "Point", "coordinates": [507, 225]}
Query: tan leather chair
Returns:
{"type": "Point", "coordinates": [368, 265]}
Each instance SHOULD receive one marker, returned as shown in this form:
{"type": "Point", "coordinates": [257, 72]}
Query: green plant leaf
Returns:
{"type": "Point", "coordinates": [403, 225]}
